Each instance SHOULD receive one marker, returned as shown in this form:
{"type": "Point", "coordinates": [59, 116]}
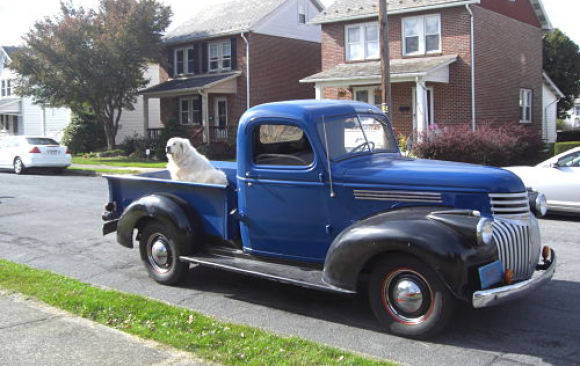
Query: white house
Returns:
{"type": "Point", "coordinates": [550, 97]}
{"type": "Point", "coordinates": [20, 115]}
{"type": "Point", "coordinates": [573, 120]}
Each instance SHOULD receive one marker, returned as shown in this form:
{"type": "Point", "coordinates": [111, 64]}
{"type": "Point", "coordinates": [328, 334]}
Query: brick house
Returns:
{"type": "Point", "coordinates": [232, 56]}
{"type": "Point", "coordinates": [452, 61]}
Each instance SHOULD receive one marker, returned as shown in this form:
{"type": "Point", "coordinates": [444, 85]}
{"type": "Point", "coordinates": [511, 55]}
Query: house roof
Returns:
{"type": "Point", "coordinates": [189, 84]}
{"type": "Point", "coordinates": [12, 106]}
{"type": "Point", "coordinates": [9, 50]}
{"type": "Point", "coordinates": [232, 17]}
{"type": "Point", "coordinates": [342, 10]}
{"type": "Point", "coordinates": [552, 86]}
{"type": "Point", "coordinates": [371, 70]}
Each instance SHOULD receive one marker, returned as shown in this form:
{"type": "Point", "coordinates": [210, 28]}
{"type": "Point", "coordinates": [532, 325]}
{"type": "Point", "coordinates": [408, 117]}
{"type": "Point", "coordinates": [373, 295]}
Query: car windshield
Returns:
{"type": "Point", "coordinates": [346, 136]}
{"type": "Point", "coordinates": [40, 141]}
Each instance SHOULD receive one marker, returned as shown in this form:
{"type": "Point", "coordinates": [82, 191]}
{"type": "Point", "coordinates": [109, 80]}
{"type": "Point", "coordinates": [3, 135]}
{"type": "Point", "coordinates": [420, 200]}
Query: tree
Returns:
{"type": "Point", "coordinates": [562, 64]}
{"type": "Point", "coordinates": [92, 61]}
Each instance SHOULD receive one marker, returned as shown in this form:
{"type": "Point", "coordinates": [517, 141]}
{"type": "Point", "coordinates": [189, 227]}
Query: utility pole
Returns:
{"type": "Point", "coordinates": [385, 59]}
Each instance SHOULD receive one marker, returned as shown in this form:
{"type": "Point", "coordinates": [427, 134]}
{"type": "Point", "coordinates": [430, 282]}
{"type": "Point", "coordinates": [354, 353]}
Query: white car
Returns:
{"type": "Point", "coordinates": [22, 152]}
{"type": "Point", "coordinates": [557, 178]}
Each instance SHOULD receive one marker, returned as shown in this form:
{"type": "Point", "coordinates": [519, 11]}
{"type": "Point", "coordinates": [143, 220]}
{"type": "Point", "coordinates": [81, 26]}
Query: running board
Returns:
{"type": "Point", "coordinates": [298, 276]}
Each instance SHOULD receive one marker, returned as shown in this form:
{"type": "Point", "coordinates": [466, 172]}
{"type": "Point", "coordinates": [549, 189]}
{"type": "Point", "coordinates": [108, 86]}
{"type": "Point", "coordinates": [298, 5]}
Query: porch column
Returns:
{"type": "Point", "coordinates": [145, 116]}
{"type": "Point", "coordinates": [421, 106]}
{"type": "Point", "coordinates": [318, 91]}
{"type": "Point", "coordinates": [205, 117]}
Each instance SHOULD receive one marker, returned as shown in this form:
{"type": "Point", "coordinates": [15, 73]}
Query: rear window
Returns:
{"type": "Point", "coordinates": [41, 141]}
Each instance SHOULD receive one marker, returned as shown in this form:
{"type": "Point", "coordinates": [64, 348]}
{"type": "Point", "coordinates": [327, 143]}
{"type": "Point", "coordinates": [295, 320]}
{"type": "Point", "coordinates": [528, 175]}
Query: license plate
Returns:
{"type": "Point", "coordinates": [491, 274]}
{"type": "Point", "coordinates": [52, 152]}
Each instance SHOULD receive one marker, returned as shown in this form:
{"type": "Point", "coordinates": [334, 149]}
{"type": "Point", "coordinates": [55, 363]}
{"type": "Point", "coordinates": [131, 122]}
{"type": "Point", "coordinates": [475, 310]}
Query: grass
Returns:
{"type": "Point", "coordinates": [206, 337]}
{"type": "Point", "coordinates": [120, 161]}
{"type": "Point", "coordinates": [106, 171]}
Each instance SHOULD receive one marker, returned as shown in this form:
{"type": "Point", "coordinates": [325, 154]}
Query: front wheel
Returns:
{"type": "Point", "coordinates": [160, 251]}
{"type": "Point", "coordinates": [408, 298]}
{"type": "Point", "coordinates": [19, 166]}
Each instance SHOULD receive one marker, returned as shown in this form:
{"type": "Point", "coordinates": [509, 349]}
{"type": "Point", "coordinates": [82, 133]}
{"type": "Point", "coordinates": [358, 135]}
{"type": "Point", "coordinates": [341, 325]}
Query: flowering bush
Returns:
{"type": "Point", "coordinates": [502, 145]}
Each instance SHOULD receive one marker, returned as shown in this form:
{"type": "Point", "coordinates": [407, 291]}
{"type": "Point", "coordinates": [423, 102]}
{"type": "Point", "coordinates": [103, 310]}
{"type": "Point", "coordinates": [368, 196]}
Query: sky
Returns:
{"type": "Point", "coordinates": [18, 16]}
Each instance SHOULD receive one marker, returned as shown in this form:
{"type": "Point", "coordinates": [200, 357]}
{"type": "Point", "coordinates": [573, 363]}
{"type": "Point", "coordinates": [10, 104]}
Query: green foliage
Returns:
{"type": "Point", "coordinates": [83, 134]}
{"type": "Point", "coordinates": [92, 59]}
{"type": "Point", "coordinates": [172, 129]}
{"type": "Point", "coordinates": [561, 147]}
{"type": "Point", "coordinates": [224, 343]}
{"type": "Point", "coordinates": [562, 64]}
{"type": "Point", "coordinates": [499, 146]}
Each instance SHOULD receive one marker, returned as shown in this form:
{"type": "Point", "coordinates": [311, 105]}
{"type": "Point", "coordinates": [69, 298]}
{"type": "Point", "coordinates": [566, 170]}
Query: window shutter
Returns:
{"type": "Point", "coordinates": [170, 70]}
{"type": "Point", "coordinates": [234, 50]}
{"type": "Point", "coordinates": [197, 60]}
{"type": "Point", "coordinates": [204, 55]}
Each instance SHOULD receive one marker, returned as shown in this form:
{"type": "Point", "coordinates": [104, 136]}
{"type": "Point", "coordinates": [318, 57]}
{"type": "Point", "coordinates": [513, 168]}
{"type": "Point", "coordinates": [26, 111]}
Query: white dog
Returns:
{"type": "Point", "coordinates": [186, 164]}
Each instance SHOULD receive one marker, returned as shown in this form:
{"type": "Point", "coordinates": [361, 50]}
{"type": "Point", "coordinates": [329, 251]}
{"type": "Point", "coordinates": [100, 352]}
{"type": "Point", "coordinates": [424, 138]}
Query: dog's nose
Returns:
{"type": "Point", "coordinates": [168, 149]}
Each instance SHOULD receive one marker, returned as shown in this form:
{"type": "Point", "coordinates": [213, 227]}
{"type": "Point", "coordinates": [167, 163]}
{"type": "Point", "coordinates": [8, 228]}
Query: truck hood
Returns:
{"type": "Point", "coordinates": [406, 172]}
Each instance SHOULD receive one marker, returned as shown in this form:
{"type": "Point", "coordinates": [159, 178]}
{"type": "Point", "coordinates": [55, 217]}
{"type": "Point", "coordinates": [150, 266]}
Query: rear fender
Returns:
{"type": "Point", "coordinates": [415, 232]}
{"type": "Point", "coordinates": [168, 210]}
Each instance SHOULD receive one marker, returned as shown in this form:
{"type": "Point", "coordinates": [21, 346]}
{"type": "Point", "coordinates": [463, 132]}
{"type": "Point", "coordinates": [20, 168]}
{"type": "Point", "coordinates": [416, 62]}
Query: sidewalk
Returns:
{"type": "Point", "coordinates": [32, 333]}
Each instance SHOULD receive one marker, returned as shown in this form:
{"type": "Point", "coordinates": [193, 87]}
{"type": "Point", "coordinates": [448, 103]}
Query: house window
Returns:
{"type": "Point", "coordinates": [362, 41]}
{"type": "Point", "coordinates": [184, 61]}
{"type": "Point", "coordinates": [422, 35]}
{"type": "Point", "coordinates": [220, 56]}
{"type": "Point", "coordinates": [525, 105]}
{"type": "Point", "coordinates": [368, 95]}
{"type": "Point", "coordinates": [577, 109]}
{"type": "Point", "coordinates": [6, 88]}
{"type": "Point", "coordinates": [190, 111]}
{"type": "Point", "coordinates": [301, 12]}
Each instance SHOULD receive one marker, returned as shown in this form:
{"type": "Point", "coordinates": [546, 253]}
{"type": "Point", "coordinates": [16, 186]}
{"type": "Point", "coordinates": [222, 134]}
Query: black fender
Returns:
{"type": "Point", "coordinates": [444, 240]}
{"type": "Point", "coordinates": [166, 208]}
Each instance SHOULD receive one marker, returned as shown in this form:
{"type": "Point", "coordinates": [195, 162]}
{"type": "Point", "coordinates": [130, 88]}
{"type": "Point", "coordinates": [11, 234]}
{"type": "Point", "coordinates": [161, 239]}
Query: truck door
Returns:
{"type": "Point", "coordinates": [282, 198]}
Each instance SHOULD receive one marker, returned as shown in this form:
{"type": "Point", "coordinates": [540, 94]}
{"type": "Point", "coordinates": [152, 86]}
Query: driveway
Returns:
{"type": "Point", "coordinates": [53, 222]}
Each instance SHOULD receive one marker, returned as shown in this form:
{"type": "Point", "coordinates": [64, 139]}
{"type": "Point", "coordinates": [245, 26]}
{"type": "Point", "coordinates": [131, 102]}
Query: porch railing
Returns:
{"type": "Point", "coordinates": [153, 133]}
{"type": "Point", "coordinates": [218, 134]}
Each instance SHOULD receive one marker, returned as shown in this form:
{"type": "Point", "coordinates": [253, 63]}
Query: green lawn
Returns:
{"type": "Point", "coordinates": [120, 161]}
{"type": "Point", "coordinates": [206, 337]}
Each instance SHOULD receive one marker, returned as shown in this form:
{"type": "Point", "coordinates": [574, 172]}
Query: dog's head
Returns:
{"type": "Point", "coordinates": [177, 147]}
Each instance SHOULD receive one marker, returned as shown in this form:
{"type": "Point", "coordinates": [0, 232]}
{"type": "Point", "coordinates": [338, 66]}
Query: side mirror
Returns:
{"type": "Point", "coordinates": [554, 164]}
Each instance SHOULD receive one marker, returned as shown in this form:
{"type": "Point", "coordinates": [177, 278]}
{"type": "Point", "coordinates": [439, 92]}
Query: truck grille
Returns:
{"type": "Point", "coordinates": [514, 234]}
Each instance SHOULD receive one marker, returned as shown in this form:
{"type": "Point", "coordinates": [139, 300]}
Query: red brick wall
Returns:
{"type": "Point", "coordinates": [508, 57]}
{"type": "Point", "coordinates": [521, 10]}
{"type": "Point", "coordinates": [277, 64]}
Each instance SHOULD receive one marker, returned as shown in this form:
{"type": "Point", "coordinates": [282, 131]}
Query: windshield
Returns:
{"type": "Point", "coordinates": [41, 141]}
{"type": "Point", "coordinates": [350, 135]}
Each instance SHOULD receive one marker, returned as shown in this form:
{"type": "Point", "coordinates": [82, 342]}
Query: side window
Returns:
{"type": "Point", "coordinates": [281, 144]}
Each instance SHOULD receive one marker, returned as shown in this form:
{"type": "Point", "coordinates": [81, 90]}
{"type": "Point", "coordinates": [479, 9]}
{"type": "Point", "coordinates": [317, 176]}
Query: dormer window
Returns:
{"type": "Point", "coordinates": [301, 12]}
{"type": "Point", "coordinates": [362, 41]}
{"type": "Point", "coordinates": [422, 35]}
{"type": "Point", "coordinates": [220, 56]}
{"type": "Point", "coordinates": [184, 61]}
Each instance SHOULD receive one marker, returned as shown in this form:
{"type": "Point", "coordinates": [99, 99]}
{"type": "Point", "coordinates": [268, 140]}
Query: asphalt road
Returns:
{"type": "Point", "coordinates": [53, 222]}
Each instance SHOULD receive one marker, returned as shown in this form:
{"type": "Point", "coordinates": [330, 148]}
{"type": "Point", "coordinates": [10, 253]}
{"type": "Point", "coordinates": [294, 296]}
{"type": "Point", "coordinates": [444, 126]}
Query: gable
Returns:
{"type": "Point", "coordinates": [283, 22]}
{"type": "Point", "coordinates": [521, 10]}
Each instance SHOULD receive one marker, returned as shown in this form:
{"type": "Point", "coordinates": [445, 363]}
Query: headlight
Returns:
{"type": "Point", "coordinates": [541, 205]}
{"type": "Point", "coordinates": [485, 231]}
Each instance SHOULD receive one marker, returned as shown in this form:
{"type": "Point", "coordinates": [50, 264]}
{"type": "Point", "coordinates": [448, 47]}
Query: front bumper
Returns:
{"type": "Point", "coordinates": [499, 295]}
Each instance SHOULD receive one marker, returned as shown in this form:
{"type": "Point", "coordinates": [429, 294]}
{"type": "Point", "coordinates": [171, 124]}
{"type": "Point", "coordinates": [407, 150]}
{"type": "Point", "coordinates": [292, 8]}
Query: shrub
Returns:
{"type": "Point", "coordinates": [83, 134]}
{"type": "Point", "coordinates": [560, 147]}
{"type": "Point", "coordinates": [568, 136]}
{"type": "Point", "coordinates": [172, 129]}
{"type": "Point", "coordinates": [503, 145]}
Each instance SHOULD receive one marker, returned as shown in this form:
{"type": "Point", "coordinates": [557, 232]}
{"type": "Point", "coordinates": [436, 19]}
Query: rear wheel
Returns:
{"type": "Point", "coordinates": [408, 298]}
{"type": "Point", "coordinates": [19, 166]}
{"type": "Point", "coordinates": [160, 250]}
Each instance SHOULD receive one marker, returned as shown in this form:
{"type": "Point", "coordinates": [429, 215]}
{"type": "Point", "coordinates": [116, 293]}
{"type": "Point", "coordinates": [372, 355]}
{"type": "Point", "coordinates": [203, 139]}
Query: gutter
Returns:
{"type": "Point", "coordinates": [473, 111]}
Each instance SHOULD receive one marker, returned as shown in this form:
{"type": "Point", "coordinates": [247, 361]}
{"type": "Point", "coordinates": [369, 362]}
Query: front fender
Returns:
{"type": "Point", "coordinates": [165, 208]}
{"type": "Point", "coordinates": [442, 243]}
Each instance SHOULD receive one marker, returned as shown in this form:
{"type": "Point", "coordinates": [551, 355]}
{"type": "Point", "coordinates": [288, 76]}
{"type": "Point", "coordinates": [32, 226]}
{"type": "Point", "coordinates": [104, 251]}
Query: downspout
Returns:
{"type": "Point", "coordinates": [473, 125]}
{"type": "Point", "coordinates": [247, 71]}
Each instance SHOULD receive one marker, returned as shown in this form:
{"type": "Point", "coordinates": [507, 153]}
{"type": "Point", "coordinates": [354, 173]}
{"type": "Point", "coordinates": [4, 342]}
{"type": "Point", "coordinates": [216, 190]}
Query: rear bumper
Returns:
{"type": "Point", "coordinates": [42, 162]}
{"type": "Point", "coordinates": [499, 295]}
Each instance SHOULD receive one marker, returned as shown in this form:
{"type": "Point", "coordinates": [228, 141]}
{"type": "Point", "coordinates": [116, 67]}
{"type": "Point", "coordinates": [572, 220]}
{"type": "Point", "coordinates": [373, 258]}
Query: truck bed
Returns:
{"type": "Point", "coordinates": [213, 202]}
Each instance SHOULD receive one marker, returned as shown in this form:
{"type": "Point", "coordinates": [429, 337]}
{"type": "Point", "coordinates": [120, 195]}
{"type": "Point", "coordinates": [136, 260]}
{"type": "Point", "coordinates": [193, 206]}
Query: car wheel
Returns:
{"type": "Point", "coordinates": [160, 250]}
{"type": "Point", "coordinates": [408, 298]}
{"type": "Point", "coordinates": [19, 166]}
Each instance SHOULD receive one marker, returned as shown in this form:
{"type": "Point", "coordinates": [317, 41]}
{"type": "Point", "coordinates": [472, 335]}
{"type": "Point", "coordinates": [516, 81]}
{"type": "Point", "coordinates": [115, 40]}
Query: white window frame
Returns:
{"type": "Point", "coordinates": [422, 35]}
{"type": "Point", "coordinates": [526, 102]}
{"type": "Point", "coordinates": [221, 58]}
{"type": "Point", "coordinates": [5, 88]}
{"type": "Point", "coordinates": [371, 92]}
{"type": "Point", "coordinates": [190, 120]}
{"type": "Point", "coordinates": [302, 12]}
{"type": "Point", "coordinates": [362, 28]}
{"type": "Point", "coordinates": [186, 70]}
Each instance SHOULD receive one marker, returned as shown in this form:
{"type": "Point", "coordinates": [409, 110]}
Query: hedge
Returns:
{"type": "Point", "coordinates": [561, 147]}
{"type": "Point", "coordinates": [569, 136]}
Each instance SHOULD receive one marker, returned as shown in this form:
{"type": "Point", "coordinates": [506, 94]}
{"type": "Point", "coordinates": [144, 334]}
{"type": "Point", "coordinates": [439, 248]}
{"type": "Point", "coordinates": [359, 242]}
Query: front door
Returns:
{"type": "Point", "coordinates": [283, 199]}
{"type": "Point", "coordinates": [220, 118]}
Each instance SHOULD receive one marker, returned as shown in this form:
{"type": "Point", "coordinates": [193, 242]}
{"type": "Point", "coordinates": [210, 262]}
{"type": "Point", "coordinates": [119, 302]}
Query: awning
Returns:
{"type": "Point", "coordinates": [219, 83]}
{"type": "Point", "coordinates": [434, 69]}
{"type": "Point", "coordinates": [12, 106]}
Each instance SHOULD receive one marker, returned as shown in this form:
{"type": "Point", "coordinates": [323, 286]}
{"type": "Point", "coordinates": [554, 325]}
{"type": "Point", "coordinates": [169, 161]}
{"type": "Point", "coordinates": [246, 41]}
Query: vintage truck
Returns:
{"type": "Point", "coordinates": [321, 197]}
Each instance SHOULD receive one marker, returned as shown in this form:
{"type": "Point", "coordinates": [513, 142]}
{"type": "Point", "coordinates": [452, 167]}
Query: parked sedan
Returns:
{"type": "Point", "coordinates": [23, 152]}
{"type": "Point", "coordinates": [558, 178]}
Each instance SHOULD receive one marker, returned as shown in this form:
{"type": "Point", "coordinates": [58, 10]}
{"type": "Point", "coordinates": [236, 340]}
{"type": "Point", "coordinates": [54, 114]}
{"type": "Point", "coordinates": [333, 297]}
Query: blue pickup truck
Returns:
{"type": "Point", "coordinates": [321, 197]}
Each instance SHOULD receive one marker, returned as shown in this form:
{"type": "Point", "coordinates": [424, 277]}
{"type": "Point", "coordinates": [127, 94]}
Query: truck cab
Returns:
{"type": "Point", "coordinates": [321, 197]}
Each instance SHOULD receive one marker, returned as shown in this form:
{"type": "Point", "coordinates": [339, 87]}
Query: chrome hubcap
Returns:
{"type": "Point", "coordinates": [158, 253]}
{"type": "Point", "coordinates": [408, 296]}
